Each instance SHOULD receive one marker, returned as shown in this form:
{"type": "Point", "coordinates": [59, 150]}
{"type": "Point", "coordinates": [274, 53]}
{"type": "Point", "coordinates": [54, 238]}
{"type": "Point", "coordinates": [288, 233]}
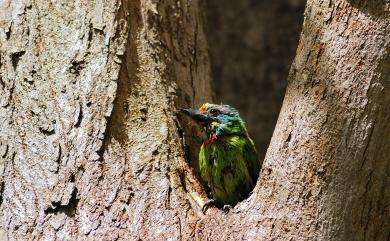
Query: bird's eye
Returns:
{"type": "Point", "coordinates": [214, 112]}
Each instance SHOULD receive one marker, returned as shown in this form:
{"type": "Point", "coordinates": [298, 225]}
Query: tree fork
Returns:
{"type": "Point", "coordinates": [89, 144]}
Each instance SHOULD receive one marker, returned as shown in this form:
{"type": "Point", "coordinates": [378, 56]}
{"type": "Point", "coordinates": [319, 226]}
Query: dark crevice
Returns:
{"type": "Point", "coordinates": [80, 169]}
{"type": "Point", "coordinates": [2, 84]}
{"type": "Point", "coordinates": [72, 178]}
{"type": "Point", "coordinates": [169, 192]}
{"type": "Point", "coordinates": [144, 113]}
{"type": "Point", "coordinates": [289, 137]}
{"type": "Point", "coordinates": [29, 81]}
{"type": "Point", "coordinates": [98, 31]}
{"type": "Point", "coordinates": [5, 151]}
{"type": "Point", "coordinates": [190, 143]}
{"type": "Point", "coordinates": [194, 63]}
{"type": "Point", "coordinates": [59, 157]}
{"type": "Point", "coordinates": [76, 67]}
{"type": "Point", "coordinates": [182, 177]}
{"type": "Point", "coordinates": [1, 192]}
{"type": "Point", "coordinates": [8, 34]}
{"type": "Point", "coordinates": [46, 131]}
{"type": "Point", "coordinates": [69, 209]}
{"type": "Point", "coordinates": [80, 117]}
{"type": "Point", "coordinates": [185, 147]}
{"type": "Point", "coordinates": [90, 35]}
{"type": "Point", "coordinates": [15, 57]}
{"type": "Point", "coordinates": [106, 140]}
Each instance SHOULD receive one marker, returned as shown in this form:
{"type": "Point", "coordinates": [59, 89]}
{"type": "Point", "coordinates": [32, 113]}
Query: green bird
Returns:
{"type": "Point", "coordinates": [228, 161]}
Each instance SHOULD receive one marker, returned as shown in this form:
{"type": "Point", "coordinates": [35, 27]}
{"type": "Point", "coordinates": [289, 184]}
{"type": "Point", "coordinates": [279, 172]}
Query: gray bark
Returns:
{"type": "Point", "coordinates": [326, 172]}
{"type": "Point", "coordinates": [90, 146]}
{"type": "Point", "coordinates": [75, 164]}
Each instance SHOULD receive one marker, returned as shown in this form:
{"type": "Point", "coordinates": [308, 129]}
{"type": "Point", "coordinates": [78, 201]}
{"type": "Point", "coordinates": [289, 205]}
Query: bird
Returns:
{"type": "Point", "coordinates": [228, 162]}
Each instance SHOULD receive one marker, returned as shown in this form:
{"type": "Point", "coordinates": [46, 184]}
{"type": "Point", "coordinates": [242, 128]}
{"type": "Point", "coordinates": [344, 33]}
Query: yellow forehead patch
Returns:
{"type": "Point", "coordinates": [204, 107]}
{"type": "Point", "coordinates": [213, 124]}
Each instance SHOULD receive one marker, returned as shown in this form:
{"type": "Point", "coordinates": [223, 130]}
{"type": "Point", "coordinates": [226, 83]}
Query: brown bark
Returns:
{"type": "Point", "coordinates": [326, 172]}
{"type": "Point", "coordinates": [75, 164]}
{"type": "Point", "coordinates": [78, 165]}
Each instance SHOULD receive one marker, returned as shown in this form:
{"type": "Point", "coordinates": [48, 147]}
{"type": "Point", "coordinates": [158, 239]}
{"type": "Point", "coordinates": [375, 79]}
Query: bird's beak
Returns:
{"type": "Point", "coordinates": [197, 115]}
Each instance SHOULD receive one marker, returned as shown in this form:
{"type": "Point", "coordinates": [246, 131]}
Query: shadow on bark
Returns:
{"type": "Point", "coordinates": [375, 8]}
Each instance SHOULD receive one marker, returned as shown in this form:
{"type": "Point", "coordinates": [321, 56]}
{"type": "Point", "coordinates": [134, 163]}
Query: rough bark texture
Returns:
{"type": "Point", "coordinates": [326, 172]}
{"type": "Point", "coordinates": [75, 164]}
{"type": "Point", "coordinates": [252, 45]}
{"type": "Point", "coordinates": [90, 148]}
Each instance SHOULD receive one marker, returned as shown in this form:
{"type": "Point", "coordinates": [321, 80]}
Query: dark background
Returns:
{"type": "Point", "coordinates": [252, 45]}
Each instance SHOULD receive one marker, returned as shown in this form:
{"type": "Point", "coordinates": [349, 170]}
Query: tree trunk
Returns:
{"type": "Point", "coordinates": [90, 145]}
{"type": "Point", "coordinates": [75, 164]}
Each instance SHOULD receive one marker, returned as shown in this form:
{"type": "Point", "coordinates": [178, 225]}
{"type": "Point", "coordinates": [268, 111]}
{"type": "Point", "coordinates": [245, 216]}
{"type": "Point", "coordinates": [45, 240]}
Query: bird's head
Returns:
{"type": "Point", "coordinates": [218, 120]}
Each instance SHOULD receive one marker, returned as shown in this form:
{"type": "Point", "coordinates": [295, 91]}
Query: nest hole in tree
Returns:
{"type": "Point", "coordinates": [192, 138]}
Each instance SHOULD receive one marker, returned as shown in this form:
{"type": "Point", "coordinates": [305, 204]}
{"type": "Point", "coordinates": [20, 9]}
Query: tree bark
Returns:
{"type": "Point", "coordinates": [75, 164]}
{"type": "Point", "coordinates": [327, 169]}
{"type": "Point", "coordinates": [91, 149]}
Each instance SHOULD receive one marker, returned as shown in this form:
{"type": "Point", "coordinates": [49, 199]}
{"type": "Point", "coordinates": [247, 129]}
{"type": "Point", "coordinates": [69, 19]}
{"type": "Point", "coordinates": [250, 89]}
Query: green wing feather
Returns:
{"type": "Point", "coordinates": [230, 168]}
{"type": "Point", "coordinates": [204, 166]}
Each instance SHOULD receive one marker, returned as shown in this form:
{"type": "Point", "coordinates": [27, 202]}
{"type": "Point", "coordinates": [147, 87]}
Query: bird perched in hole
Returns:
{"type": "Point", "coordinates": [228, 161]}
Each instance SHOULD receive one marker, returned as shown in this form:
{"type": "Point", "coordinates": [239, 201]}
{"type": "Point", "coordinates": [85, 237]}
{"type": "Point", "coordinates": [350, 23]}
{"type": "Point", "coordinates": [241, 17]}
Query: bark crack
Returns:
{"type": "Point", "coordinates": [1, 192]}
{"type": "Point", "coordinates": [69, 209]}
{"type": "Point", "coordinates": [194, 61]}
{"type": "Point", "coordinates": [367, 146]}
{"type": "Point", "coordinates": [15, 58]}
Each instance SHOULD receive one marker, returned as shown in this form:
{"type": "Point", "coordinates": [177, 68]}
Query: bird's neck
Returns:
{"type": "Point", "coordinates": [224, 138]}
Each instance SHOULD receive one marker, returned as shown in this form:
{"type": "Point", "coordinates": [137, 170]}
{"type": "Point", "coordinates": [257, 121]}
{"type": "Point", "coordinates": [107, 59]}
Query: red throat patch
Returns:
{"type": "Point", "coordinates": [212, 138]}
